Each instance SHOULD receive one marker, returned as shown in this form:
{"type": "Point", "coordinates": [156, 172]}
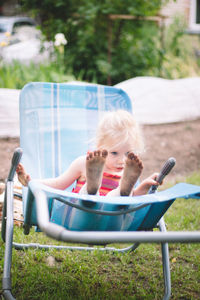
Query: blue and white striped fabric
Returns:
{"type": "Point", "coordinates": [58, 120]}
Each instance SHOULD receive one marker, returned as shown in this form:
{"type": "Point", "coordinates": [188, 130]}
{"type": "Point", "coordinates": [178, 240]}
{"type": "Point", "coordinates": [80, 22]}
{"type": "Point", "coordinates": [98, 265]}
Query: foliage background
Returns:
{"type": "Point", "coordinates": [139, 47]}
{"type": "Point", "coordinates": [135, 43]}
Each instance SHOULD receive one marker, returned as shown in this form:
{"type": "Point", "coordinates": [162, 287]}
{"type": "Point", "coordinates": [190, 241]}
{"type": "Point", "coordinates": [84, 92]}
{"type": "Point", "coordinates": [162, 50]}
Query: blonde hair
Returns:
{"type": "Point", "coordinates": [119, 127]}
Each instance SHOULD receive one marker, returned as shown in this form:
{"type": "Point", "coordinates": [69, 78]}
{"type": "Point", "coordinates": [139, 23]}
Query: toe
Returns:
{"type": "Point", "coordinates": [104, 153]}
{"type": "Point", "coordinates": [131, 156]}
{"type": "Point", "coordinates": [141, 165]}
{"type": "Point", "coordinates": [89, 155]}
{"type": "Point", "coordinates": [96, 153]}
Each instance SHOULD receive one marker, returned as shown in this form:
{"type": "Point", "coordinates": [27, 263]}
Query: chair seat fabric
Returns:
{"type": "Point", "coordinates": [145, 218]}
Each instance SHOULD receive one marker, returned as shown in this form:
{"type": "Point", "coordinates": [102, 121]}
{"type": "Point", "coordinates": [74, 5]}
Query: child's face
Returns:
{"type": "Point", "coordinates": [115, 160]}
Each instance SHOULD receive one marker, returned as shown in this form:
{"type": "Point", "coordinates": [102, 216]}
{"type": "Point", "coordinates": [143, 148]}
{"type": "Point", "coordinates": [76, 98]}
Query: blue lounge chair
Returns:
{"type": "Point", "coordinates": [56, 120]}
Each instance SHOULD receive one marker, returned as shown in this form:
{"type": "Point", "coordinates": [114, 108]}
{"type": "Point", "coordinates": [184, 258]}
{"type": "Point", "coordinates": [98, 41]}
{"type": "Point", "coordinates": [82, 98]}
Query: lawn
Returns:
{"type": "Point", "coordinates": [65, 274]}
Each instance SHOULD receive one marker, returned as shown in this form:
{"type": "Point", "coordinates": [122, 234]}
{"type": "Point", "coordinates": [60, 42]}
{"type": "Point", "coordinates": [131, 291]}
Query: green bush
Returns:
{"type": "Point", "coordinates": [85, 25]}
{"type": "Point", "coordinates": [16, 75]}
{"type": "Point", "coordinates": [179, 59]}
{"type": "Point", "coordinates": [135, 50]}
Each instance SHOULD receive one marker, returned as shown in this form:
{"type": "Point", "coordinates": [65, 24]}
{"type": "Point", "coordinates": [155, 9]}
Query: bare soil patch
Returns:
{"type": "Point", "coordinates": [180, 140]}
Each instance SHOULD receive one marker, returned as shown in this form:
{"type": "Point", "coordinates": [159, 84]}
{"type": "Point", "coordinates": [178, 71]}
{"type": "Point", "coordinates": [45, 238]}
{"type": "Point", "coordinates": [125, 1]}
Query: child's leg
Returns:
{"type": "Point", "coordinates": [94, 170]}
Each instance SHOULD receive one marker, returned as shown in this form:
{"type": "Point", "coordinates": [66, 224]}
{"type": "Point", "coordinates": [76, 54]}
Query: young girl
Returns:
{"type": "Point", "coordinates": [111, 170]}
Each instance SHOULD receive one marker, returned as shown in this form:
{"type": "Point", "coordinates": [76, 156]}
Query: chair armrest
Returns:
{"type": "Point", "coordinates": [15, 161]}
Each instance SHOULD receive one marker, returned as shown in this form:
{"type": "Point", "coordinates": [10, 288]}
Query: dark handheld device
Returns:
{"type": "Point", "coordinates": [169, 164]}
{"type": "Point", "coordinates": [15, 161]}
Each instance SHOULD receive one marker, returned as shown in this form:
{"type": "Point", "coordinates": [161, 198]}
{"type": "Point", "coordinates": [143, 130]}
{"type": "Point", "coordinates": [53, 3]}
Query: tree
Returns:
{"type": "Point", "coordinates": [87, 26]}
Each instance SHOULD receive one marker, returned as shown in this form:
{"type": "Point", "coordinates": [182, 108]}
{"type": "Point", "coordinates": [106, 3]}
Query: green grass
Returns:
{"type": "Point", "coordinates": [16, 75]}
{"type": "Point", "coordinates": [97, 275]}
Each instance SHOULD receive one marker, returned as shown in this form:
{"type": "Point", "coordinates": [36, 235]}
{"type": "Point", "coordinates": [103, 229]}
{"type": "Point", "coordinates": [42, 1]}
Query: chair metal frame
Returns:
{"type": "Point", "coordinates": [58, 232]}
{"type": "Point", "coordinates": [94, 238]}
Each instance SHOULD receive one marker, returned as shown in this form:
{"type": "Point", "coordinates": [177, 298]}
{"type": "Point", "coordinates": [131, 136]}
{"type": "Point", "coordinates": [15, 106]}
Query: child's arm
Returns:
{"type": "Point", "coordinates": [75, 170]}
{"type": "Point", "coordinates": [145, 185]}
{"type": "Point", "coordinates": [61, 182]}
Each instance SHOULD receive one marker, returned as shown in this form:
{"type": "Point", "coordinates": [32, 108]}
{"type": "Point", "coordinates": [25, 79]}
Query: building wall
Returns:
{"type": "Point", "coordinates": [178, 7]}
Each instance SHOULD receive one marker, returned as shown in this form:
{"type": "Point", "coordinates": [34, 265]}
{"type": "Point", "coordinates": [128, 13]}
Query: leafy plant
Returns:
{"type": "Point", "coordinates": [179, 59]}
{"type": "Point", "coordinates": [16, 75]}
{"type": "Point", "coordinates": [87, 27]}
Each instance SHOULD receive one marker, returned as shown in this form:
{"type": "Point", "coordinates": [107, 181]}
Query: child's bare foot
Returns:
{"type": "Point", "coordinates": [132, 171]}
{"type": "Point", "coordinates": [23, 177]}
{"type": "Point", "coordinates": [94, 169]}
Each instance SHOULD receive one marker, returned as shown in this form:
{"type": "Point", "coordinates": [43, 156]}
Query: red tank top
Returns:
{"type": "Point", "coordinates": [109, 183]}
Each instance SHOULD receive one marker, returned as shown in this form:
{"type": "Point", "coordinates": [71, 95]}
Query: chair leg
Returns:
{"type": "Point", "coordinates": [6, 281]}
{"type": "Point", "coordinates": [165, 261]}
{"type": "Point", "coordinates": [4, 218]}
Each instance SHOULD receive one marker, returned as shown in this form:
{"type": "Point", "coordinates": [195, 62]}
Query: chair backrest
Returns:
{"type": "Point", "coordinates": [58, 122]}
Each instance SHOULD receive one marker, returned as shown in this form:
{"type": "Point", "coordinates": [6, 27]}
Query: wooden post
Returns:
{"type": "Point", "coordinates": [162, 44]}
{"type": "Point", "coordinates": [109, 80]}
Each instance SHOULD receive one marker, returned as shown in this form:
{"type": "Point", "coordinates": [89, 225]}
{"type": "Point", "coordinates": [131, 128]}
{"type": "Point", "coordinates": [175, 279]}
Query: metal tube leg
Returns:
{"type": "Point", "coordinates": [6, 281]}
{"type": "Point", "coordinates": [165, 262]}
{"type": "Point", "coordinates": [134, 246]}
{"type": "Point", "coordinates": [166, 271]}
{"type": "Point", "coordinates": [4, 218]}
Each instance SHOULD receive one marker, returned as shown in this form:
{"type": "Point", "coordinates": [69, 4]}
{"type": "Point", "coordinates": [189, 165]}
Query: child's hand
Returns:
{"type": "Point", "coordinates": [23, 177]}
{"type": "Point", "coordinates": [151, 180]}
{"type": "Point", "coordinates": [145, 185]}
{"type": "Point", "coordinates": [2, 187]}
